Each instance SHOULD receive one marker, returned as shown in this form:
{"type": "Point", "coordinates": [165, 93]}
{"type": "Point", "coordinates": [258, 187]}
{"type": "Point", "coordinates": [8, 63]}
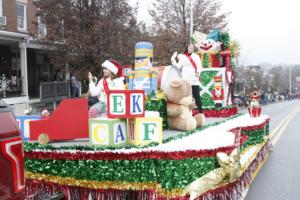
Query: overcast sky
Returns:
{"type": "Point", "coordinates": [268, 30]}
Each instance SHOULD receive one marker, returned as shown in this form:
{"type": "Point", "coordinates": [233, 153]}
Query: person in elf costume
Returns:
{"type": "Point", "coordinates": [189, 63]}
{"type": "Point", "coordinates": [218, 92]}
{"type": "Point", "coordinates": [112, 80]}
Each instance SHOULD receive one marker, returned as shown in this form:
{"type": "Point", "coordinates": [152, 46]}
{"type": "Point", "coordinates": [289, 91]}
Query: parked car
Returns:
{"type": "Point", "coordinates": [12, 179]}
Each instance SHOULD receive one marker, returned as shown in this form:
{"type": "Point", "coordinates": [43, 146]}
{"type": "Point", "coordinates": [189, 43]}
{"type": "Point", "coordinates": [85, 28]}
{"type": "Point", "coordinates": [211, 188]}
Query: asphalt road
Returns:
{"type": "Point", "coordinates": [279, 179]}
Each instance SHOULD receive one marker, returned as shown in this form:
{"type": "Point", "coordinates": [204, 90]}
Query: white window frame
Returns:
{"type": "Point", "coordinates": [25, 17]}
{"type": "Point", "coordinates": [1, 9]}
{"type": "Point", "coordinates": [42, 28]}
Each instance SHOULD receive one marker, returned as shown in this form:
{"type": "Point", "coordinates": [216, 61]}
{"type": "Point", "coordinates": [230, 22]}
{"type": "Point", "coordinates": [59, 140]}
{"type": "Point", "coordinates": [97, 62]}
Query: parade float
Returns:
{"type": "Point", "coordinates": [137, 152]}
{"type": "Point", "coordinates": [217, 76]}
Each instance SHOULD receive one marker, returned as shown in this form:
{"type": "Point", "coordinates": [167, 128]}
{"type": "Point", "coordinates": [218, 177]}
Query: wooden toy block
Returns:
{"type": "Point", "coordinates": [126, 104]}
{"type": "Point", "coordinates": [107, 132]}
{"type": "Point", "coordinates": [143, 131]}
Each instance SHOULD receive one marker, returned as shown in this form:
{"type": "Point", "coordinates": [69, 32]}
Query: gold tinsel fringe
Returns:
{"type": "Point", "coordinates": [119, 185]}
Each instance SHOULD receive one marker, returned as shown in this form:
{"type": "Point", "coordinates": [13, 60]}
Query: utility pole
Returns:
{"type": "Point", "coordinates": [191, 20]}
{"type": "Point", "coordinates": [290, 79]}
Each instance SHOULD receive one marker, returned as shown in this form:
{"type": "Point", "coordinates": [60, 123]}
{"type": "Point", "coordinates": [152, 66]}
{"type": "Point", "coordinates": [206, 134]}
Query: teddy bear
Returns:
{"type": "Point", "coordinates": [179, 107]}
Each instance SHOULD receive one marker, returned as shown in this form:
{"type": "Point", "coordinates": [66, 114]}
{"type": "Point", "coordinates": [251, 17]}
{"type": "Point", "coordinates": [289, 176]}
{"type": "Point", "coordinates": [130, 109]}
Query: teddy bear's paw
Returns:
{"type": "Point", "coordinates": [200, 118]}
{"type": "Point", "coordinates": [191, 124]}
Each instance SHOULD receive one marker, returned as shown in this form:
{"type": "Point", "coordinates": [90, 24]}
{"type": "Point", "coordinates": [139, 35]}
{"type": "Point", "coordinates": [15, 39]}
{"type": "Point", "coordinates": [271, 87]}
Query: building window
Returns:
{"type": "Point", "coordinates": [21, 17]}
{"type": "Point", "coordinates": [42, 29]}
{"type": "Point", "coordinates": [1, 13]}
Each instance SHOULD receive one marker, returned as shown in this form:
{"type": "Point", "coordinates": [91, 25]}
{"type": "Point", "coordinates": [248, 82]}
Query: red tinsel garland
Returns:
{"type": "Point", "coordinates": [251, 128]}
{"type": "Point", "coordinates": [226, 112]}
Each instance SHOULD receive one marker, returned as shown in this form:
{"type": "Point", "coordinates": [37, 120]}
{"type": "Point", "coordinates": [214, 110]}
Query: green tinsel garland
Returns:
{"type": "Point", "coordinates": [222, 108]}
{"type": "Point", "coordinates": [29, 146]}
{"type": "Point", "coordinates": [254, 137]}
{"type": "Point", "coordinates": [225, 39]}
{"type": "Point", "coordinates": [169, 173]}
{"type": "Point", "coordinates": [207, 77]}
{"type": "Point", "coordinates": [205, 62]}
{"type": "Point", "coordinates": [159, 106]}
{"type": "Point", "coordinates": [207, 101]}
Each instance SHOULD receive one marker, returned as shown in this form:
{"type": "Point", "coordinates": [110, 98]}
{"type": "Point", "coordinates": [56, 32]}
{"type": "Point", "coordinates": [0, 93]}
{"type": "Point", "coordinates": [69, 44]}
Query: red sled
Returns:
{"type": "Point", "coordinates": [69, 121]}
{"type": "Point", "coordinates": [255, 112]}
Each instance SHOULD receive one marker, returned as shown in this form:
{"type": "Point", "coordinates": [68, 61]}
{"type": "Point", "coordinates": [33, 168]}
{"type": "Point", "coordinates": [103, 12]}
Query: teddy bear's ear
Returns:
{"type": "Point", "coordinates": [175, 84]}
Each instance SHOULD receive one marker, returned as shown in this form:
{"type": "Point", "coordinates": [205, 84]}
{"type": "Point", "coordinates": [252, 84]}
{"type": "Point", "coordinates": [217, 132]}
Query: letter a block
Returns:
{"type": "Point", "coordinates": [107, 132]}
{"type": "Point", "coordinates": [126, 104]}
{"type": "Point", "coordinates": [143, 131]}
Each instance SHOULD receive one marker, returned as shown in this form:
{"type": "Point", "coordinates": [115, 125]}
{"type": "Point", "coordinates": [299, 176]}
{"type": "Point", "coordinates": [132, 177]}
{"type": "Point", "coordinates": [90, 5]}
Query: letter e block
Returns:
{"type": "Point", "coordinates": [107, 132]}
{"type": "Point", "coordinates": [117, 104]}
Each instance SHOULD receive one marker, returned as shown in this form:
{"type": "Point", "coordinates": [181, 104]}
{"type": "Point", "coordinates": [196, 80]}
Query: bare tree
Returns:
{"type": "Point", "coordinates": [85, 33]}
{"type": "Point", "coordinates": [172, 18]}
{"type": "Point", "coordinates": [281, 78]}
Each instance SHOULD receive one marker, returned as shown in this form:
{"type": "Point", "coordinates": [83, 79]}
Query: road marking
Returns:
{"type": "Point", "coordinates": [274, 136]}
{"type": "Point", "coordinates": [276, 129]}
{"type": "Point", "coordinates": [279, 130]}
{"type": "Point", "coordinates": [279, 126]}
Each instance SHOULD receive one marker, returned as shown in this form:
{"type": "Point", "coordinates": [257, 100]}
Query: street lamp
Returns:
{"type": "Point", "coordinates": [290, 79]}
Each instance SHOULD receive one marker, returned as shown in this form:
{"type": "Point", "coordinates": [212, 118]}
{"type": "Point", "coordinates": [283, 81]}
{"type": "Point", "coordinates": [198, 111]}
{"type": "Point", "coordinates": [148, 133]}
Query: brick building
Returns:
{"type": "Point", "coordinates": [23, 62]}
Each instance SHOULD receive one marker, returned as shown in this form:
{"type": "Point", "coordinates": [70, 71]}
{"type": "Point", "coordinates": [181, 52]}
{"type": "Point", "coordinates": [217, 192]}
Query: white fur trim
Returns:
{"type": "Point", "coordinates": [109, 65]}
{"type": "Point", "coordinates": [44, 112]}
